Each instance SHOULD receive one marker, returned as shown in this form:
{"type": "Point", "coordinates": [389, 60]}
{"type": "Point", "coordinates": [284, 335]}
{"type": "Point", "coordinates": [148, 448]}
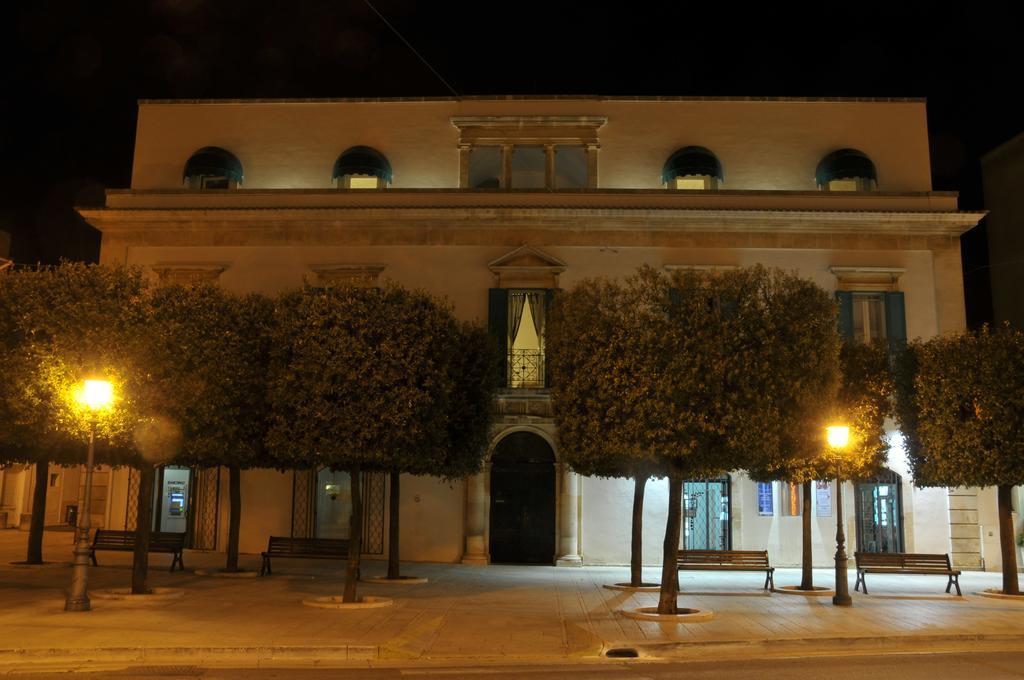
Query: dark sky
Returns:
{"type": "Point", "coordinates": [76, 68]}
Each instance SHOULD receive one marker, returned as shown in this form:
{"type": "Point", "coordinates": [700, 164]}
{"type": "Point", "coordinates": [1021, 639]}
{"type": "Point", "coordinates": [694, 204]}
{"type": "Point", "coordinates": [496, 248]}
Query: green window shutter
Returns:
{"type": "Point", "coordinates": [549, 299]}
{"type": "Point", "coordinates": [497, 323]}
{"type": "Point", "coordinates": [895, 320]}
{"type": "Point", "coordinates": [845, 299]}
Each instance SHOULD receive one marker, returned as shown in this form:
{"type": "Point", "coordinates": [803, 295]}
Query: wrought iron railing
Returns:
{"type": "Point", "coordinates": [526, 368]}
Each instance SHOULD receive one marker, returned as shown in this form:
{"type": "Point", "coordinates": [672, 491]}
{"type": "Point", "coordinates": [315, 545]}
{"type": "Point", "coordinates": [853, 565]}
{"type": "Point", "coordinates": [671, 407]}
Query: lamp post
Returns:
{"type": "Point", "coordinates": [95, 395]}
{"type": "Point", "coordinates": [838, 438]}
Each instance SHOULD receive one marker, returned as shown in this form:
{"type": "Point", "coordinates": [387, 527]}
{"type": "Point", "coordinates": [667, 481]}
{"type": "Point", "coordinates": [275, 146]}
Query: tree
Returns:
{"type": "Point", "coordinates": [473, 361]}
{"type": "Point", "coordinates": [860, 397]}
{"type": "Point", "coordinates": [360, 381]}
{"type": "Point", "coordinates": [960, 405]}
{"type": "Point", "coordinates": [210, 350]}
{"type": "Point", "coordinates": [710, 358]}
{"type": "Point", "coordinates": [57, 324]}
{"type": "Point", "coordinates": [596, 356]}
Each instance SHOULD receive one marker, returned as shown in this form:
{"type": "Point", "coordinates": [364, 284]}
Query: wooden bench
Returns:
{"type": "Point", "coordinates": [305, 548]}
{"type": "Point", "coordinates": [124, 541]}
{"type": "Point", "coordinates": [728, 560]}
{"type": "Point", "coordinates": [905, 563]}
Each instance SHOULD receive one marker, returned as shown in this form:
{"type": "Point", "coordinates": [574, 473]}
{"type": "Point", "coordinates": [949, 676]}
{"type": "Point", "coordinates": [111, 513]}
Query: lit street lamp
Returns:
{"type": "Point", "coordinates": [838, 438]}
{"type": "Point", "coordinates": [95, 395]}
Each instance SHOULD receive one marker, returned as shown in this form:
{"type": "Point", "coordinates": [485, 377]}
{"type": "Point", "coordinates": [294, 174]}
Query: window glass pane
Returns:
{"type": "Point", "coordinates": [791, 501]}
{"type": "Point", "coordinates": [360, 181]}
{"type": "Point", "coordinates": [528, 167]}
{"type": "Point", "coordinates": [526, 317]}
{"type": "Point", "coordinates": [851, 184]}
{"type": "Point", "coordinates": [765, 499]}
{"type": "Point", "coordinates": [696, 182]}
{"type": "Point", "coordinates": [333, 504]}
{"type": "Point", "coordinates": [485, 167]}
{"type": "Point", "coordinates": [868, 318]}
{"type": "Point", "coordinates": [570, 167]}
{"type": "Point", "coordinates": [214, 182]}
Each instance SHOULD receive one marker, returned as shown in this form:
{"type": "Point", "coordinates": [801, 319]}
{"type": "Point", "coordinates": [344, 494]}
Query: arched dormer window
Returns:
{"type": "Point", "coordinates": [692, 167]}
{"type": "Point", "coordinates": [213, 168]}
{"type": "Point", "coordinates": [846, 170]}
{"type": "Point", "coordinates": [361, 167]}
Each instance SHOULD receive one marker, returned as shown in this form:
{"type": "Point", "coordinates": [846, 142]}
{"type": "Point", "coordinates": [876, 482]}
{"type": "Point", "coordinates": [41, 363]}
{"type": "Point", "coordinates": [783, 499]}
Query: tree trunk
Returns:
{"type": "Point", "coordinates": [393, 558]}
{"type": "Point", "coordinates": [355, 540]}
{"type": "Point", "coordinates": [235, 519]}
{"type": "Point", "coordinates": [35, 528]}
{"type": "Point", "coordinates": [1006, 542]}
{"type": "Point", "coordinates": [636, 555]}
{"type": "Point", "coordinates": [668, 602]}
{"type": "Point", "coordinates": [143, 526]}
{"type": "Point", "coordinates": [807, 576]}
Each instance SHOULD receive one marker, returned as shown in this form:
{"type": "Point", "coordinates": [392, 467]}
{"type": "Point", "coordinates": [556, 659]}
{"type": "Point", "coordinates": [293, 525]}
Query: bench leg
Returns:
{"type": "Point", "coordinates": [864, 583]}
{"type": "Point", "coordinates": [767, 580]}
{"type": "Point", "coordinates": [856, 584]}
{"type": "Point", "coordinates": [93, 556]}
{"type": "Point", "coordinates": [265, 567]}
{"type": "Point", "coordinates": [954, 581]}
{"type": "Point", "coordinates": [177, 560]}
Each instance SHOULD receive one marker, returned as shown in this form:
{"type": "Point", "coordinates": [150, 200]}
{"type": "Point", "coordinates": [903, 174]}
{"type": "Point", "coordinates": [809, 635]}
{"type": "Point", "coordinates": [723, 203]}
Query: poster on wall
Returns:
{"type": "Point", "coordinates": [765, 502]}
{"type": "Point", "coordinates": [823, 498]}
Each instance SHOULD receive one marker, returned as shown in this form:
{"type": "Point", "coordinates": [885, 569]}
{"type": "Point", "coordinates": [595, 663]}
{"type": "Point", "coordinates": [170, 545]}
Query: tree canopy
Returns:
{"type": "Point", "coordinates": [960, 403]}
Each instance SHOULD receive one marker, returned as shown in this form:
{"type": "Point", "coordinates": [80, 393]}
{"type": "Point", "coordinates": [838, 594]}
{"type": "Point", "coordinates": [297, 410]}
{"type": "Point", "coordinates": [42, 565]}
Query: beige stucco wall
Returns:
{"type": "Point", "coordinates": [761, 144]}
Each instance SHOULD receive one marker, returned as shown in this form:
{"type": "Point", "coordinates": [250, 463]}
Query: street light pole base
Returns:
{"type": "Point", "coordinates": [842, 601]}
{"type": "Point", "coordinates": [78, 605]}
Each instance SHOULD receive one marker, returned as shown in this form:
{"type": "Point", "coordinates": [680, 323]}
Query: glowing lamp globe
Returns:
{"type": "Point", "coordinates": [838, 436]}
{"type": "Point", "coordinates": [97, 394]}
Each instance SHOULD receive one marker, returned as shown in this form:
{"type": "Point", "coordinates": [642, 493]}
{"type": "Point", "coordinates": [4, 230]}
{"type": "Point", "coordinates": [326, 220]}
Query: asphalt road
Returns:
{"type": "Point", "coordinates": [981, 666]}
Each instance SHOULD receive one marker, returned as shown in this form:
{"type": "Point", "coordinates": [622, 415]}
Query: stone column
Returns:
{"type": "Point", "coordinates": [506, 166]}
{"type": "Point", "coordinates": [464, 151]}
{"type": "Point", "coordinates": [549, 167]}
{"type": "Point", "coordinates": [592, 166]}
{"type": "Point", "coordinates": [568, 519]}
{"type": "Point", "coordinates": [476, 520]}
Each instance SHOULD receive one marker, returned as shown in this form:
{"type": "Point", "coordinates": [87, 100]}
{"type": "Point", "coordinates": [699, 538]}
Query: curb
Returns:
{"type": "Point", "coordinates": [63, 659]}
{"type": "Point", "coordinates": [823, 646]}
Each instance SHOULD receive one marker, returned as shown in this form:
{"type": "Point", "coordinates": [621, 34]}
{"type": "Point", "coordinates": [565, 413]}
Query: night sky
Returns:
{"type": "Point", "coordinates": [74, 71]}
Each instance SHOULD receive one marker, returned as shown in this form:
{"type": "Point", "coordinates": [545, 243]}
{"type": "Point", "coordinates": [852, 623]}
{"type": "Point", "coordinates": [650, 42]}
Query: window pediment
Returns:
{"type": "Point", "coordinates": [526, 265]}
{"type": "Point", "coordinates": [867, 279]}
{"type": "Point", "coordinates": [188, 273]}
{"type": "Point", "coordinates": [341, 275]}
{"type": "Point", "coordinates": [483, 130]}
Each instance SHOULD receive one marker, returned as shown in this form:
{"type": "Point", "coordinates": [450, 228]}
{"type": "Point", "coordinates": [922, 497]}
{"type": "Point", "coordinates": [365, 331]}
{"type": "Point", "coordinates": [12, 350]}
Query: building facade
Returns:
{"type": "Point", "coordinates": [1001, 173]}
{"type": "Point", "coordinates": [495, 202]}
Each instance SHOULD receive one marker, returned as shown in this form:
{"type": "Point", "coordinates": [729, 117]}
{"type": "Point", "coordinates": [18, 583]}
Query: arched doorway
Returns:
{"type": "Point", "coordinates": [879, 507]}
{"type": "Point", "coordinates": [523, 500]}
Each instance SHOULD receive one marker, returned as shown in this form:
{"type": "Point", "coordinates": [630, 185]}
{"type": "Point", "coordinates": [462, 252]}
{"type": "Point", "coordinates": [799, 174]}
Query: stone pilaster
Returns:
{"type": "Point", "coordinates": [568, 519]}
{"type": "Point", "coordinates": [964, 534]}
{"type": "Point", "coordinates": [476, 520]}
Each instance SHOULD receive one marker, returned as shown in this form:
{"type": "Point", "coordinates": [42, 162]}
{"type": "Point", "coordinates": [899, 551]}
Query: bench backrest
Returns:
{"type": "Point", "coordinates": [286, 545]}
{"type": "Point", "coordinates": [742, 558]}
{"type": "Point", "coordinates": [903, 560]}
{"type": "Point", "coordinates": [114, 538]}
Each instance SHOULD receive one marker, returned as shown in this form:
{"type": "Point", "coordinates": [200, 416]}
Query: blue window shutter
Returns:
{"type": "Point", "coordinates": [497, 323]}
{"type": "Point", "coordinates": [895, 320]}
{"type": "Point", "coordinates": [845, 299]}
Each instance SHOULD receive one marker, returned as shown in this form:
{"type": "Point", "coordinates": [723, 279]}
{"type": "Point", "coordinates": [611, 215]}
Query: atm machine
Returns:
{"type": "Point", "coordinates": [172, 502]}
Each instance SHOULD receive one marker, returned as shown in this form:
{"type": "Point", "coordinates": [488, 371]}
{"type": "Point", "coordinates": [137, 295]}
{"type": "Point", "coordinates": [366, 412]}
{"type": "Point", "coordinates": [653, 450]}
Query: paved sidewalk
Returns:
{"type": "Point", "coordinates": [467, 614]}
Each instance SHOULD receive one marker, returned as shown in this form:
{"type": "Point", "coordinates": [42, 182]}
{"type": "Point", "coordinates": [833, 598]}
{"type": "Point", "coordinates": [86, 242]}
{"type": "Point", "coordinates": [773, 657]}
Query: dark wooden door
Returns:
{"type": "Point", "coordinates": [523, 501]}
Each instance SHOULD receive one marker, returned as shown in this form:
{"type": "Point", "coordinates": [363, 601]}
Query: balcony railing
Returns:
{"type": "Point", "coordinates": [526, 368]}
